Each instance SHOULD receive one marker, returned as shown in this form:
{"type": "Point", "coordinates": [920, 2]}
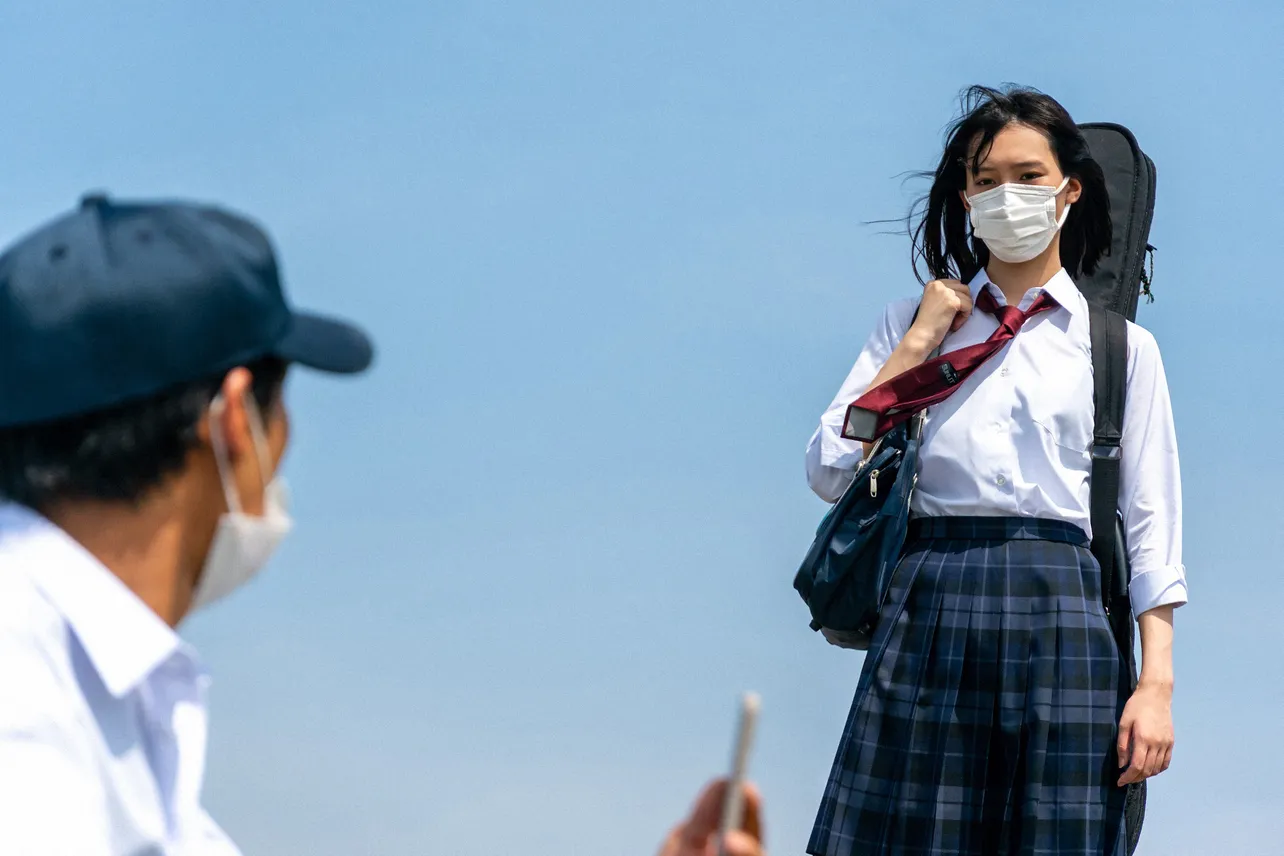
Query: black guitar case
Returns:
{"type": "Point", "coordinates": [1113, 292]}
{"type": "Point", "coordinates": [1122, 276]}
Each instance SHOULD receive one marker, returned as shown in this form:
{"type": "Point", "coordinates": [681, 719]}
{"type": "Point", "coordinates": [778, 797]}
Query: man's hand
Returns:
{"type": "Point", "coordinates": [1146, 733]}
{"type": "Point", "coordinates": [698, 834]}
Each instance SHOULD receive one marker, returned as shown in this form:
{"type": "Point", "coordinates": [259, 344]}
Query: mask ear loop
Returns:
{"type": "Point", "coordinates": [258, 432]}
{"type": "Point", "coordinates": [1065, 212]}
{"type": "Point", "coordinates": [219, 444]}
{"type": "Point", "coordinates": [275, 497]}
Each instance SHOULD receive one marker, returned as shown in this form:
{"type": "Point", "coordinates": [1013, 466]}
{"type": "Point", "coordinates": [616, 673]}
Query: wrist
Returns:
{"type": "Point", "coordinates": [1156, 682]}
{"type": "Point", "coordinates": [917, 344]}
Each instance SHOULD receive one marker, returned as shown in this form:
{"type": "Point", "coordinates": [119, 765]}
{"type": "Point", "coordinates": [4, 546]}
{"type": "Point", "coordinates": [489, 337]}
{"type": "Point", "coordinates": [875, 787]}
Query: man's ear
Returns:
{"type": "Point", "coordinates": [229, 414]}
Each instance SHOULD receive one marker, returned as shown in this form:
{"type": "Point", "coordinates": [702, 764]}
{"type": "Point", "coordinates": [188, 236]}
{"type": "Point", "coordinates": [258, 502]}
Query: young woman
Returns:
{"type": "Point", "coordinates": [989, 717]}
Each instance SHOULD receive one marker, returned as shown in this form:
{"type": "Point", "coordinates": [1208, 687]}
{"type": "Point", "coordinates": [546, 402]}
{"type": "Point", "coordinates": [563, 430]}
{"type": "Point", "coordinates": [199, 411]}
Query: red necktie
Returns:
{"type": "Point", "coordinates": [892, 402]}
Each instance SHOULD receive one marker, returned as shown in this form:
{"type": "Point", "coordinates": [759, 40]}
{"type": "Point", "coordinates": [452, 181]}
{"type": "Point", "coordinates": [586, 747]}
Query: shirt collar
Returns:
{"type": "Point", "coordinates": [124, 639]}
{"type": "Point", "coordinates": [1060, 288]}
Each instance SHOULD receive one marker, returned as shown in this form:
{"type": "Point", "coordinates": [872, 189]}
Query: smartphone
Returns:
{"type": "Point", "coordinates": [733, 803]}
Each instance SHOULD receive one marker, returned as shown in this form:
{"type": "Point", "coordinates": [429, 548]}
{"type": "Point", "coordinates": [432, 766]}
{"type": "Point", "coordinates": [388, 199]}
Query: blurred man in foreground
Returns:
{"type": "Point", "coordinates": [143, 352]}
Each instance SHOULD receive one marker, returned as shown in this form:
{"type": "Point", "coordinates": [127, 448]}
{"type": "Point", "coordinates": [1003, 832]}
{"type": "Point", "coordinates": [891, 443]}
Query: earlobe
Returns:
{"type": "Point", "coordinates": [967, 206]}
{"type": "Point", "coordinates": [236, 425]}
{"type": "Point", "coordinates": [229, 409]}
{"type": "Point", "coordinates": [220, 423]}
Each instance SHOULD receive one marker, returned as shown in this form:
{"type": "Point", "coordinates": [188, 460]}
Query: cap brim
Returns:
{"type": "Point", "coordinates": [325, 344]}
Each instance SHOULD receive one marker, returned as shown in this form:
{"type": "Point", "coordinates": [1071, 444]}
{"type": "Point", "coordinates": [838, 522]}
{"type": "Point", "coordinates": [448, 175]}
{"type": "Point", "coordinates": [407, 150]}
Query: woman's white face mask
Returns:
{"type": "Point", "coordinates": [1018, 221]}
{"type": "Point", "coordinates": [243, 542]}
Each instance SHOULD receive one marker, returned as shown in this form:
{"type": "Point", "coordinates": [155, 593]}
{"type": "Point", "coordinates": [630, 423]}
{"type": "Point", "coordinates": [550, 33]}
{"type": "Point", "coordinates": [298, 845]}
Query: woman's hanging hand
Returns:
{"type": "Point", "coordinates": [1146, 727]}
{"type": "Point", "coordinates": [1146, 734]}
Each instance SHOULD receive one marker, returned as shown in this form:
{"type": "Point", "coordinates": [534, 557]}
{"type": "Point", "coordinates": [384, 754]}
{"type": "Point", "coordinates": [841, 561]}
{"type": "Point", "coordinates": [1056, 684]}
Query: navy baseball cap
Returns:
{"type": "Point", "coordinates": [118, 301]}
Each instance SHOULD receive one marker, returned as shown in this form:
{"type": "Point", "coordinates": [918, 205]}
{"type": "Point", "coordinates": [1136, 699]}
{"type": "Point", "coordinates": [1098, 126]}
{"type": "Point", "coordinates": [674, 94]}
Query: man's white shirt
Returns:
{"type": "Point", "coordinates": [103, 720]}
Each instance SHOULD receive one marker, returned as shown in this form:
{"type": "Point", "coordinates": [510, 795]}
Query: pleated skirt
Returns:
{"type": "Point", "coordinates": [985, 717]}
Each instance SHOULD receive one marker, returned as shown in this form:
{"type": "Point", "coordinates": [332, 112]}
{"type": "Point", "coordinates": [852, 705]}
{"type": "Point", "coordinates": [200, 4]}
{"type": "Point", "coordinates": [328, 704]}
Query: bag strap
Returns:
{"type": "Point", "coordinates": [1109, 334]}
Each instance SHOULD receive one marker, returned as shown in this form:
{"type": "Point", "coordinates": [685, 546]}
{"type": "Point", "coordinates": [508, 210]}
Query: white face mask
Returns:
{"type": "Point", "coordinates": [243, 542]}
{"type": "Point", "coordinates": [1017, 221]}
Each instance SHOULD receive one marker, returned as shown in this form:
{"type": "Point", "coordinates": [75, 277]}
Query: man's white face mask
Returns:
{"type": "Point", "coordinates": [243, 543]}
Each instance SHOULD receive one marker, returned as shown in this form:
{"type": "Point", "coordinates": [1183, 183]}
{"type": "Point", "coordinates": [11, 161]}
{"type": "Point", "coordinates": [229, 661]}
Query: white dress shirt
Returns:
{"type": "Point", "coordinates": [102, 710]}
{"type": "Point", "coordinates": [1015, 438]}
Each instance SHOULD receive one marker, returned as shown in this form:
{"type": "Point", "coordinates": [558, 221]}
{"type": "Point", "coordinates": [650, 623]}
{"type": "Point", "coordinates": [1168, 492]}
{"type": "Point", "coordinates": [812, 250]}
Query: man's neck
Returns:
{"type": "Point", "coordinates": [147, 546]}
{"type": "Point", "coordinates": [1014, 280]}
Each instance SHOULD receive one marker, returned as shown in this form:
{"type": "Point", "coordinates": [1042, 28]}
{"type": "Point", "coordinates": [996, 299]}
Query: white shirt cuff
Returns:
{"type": "Point", "coordinates": [840, 454]}
{"type": "Point", "coordinates": [1157, 587]}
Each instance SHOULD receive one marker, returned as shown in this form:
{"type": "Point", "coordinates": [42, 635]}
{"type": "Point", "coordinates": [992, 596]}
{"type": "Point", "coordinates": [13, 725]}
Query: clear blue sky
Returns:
{"type": "Point", "coordinates": [614, 258]}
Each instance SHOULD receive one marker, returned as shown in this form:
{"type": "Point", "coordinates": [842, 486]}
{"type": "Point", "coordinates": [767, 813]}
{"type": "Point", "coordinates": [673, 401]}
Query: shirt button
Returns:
{"type": "Point", "coordinates": [1001, 481]}
{"type": "Point", "coordinates": [1004, 371]}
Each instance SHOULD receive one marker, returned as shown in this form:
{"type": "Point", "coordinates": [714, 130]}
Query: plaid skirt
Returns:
{"type": "Point", "coordinates": [985, 717]}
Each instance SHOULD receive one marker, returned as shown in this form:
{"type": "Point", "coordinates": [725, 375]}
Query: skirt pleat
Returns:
{"type": "Point", "coordinates": [985, 716]}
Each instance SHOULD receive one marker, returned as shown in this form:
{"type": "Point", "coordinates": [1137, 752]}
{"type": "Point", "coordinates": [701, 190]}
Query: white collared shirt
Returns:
{"type": "Point", "coordinates": [102, 710]}
{"type": "Point", "coordinates": [1015, 438]}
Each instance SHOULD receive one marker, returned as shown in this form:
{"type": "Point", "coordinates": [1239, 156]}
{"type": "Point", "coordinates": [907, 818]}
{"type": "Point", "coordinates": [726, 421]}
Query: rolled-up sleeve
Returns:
{"type": "Point", "coordinates": [1150, 480]}
{"type": "Point", "coordinates": [831, 460]}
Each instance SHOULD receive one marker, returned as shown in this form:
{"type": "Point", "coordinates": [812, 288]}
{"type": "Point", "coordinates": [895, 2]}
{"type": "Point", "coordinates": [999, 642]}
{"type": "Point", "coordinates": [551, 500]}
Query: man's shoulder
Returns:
{"type": "Point", "coordinates": [29, 622]}
{"type": "Point", "coordinates": [36, 668]}
{"type": "Point", "coordinates": [53, 796]}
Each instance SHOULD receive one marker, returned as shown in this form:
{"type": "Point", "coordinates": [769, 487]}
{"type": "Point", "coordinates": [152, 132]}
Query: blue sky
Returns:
{"type": "Point", "coordinates": [615, 259]}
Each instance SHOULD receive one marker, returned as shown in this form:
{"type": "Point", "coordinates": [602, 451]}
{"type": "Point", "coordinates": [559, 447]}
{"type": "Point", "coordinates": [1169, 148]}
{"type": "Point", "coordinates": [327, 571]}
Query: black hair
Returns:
{"type": "Point", "coordinates": [118, 454]}
{"type": "Point", "coordinates": [942, 237]}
